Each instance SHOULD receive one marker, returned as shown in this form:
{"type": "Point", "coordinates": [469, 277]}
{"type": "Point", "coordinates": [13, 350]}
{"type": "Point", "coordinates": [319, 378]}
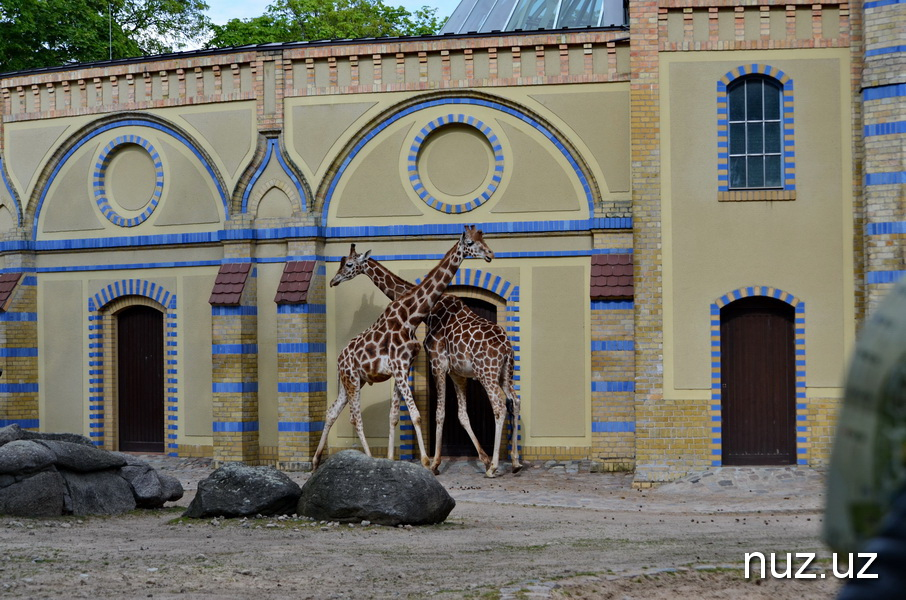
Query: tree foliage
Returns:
{"type": "Point", "coordinates": [306, 20]}
{"type": "Point", "coordinates": [48, 33]}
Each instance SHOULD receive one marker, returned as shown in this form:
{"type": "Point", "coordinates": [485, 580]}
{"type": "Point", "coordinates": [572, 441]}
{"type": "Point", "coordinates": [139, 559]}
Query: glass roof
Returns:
{"type": "Point", "coordinates": [483, 16]}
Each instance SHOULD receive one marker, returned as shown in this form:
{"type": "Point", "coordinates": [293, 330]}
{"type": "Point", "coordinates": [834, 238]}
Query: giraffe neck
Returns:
{"type": "Point", "coordinates": [426, 294]}
{"type": "Point", "coordinates": [392, 285]}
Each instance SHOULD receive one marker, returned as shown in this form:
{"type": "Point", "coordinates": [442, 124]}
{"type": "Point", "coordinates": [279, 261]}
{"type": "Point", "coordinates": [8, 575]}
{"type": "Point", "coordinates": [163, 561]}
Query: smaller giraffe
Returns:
{"type": "Point", "coordinates": [387, 348]}
{"type": "Point", "coordinates": [461, 344]}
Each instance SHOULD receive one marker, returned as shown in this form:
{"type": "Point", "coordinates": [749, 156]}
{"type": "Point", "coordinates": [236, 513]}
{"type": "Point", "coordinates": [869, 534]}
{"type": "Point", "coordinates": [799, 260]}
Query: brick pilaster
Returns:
{"type": "Point", "coordinates": [19, 350]}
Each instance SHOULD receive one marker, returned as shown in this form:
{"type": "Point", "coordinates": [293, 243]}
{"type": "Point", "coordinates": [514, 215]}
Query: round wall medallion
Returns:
{"type": "Point", "coordinates": [455, 163]}
{"type": "Point", "coordinates": [128, 180]}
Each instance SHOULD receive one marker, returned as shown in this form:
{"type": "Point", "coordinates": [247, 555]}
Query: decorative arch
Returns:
{"type": "Point", "coordinates": [723, 127]}
{"type": "Point", "coordinates": [802, 430]}
{"type": "Point", "coordinates": [299, 194]}
{"type": "Point", "coordinates": [11, 191]}
{"type": "Point", "coordinates": [102, 308]}
{"type": "Point", "coordinates": [459, 103]}
{"type": "Point", "coordinates": [88, 133]}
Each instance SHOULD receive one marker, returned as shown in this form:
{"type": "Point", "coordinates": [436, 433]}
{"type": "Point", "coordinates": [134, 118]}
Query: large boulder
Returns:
{"type": "Point", "coordinates": [36, 495]}
{"type": "Point", "coordinates": [351, 487]}
{"type": "Point", "coordinates": [24, 456]}
{"type": "Point", "coordinates": [151, 489]}
{"type": "Point", "coordinates": [84, 459]}
{"type": "Point", "coordinates": [97, 493]}
{"type": "Point", "coordinates": [238, 490]}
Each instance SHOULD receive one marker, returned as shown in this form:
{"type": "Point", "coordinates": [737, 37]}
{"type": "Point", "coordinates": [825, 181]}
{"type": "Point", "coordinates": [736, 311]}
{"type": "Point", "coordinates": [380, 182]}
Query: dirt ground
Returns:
{"type": "Point", "coordinates": [545, 533]}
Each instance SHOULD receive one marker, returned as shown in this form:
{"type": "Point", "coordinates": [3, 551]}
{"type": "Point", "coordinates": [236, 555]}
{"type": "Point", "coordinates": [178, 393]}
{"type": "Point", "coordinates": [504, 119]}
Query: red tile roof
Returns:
{"type": "Point", "coordinates": [229, 284]}
{"type": "Point", "coordinates": [8, 282]}
{"type": "Point", "coordinates": [611, 276]}
{"type": "Point", "coordinates": [293, 288]}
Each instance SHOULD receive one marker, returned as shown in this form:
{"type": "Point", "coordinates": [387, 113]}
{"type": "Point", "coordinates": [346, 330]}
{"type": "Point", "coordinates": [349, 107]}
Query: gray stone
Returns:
{"type": "Point", "coordinates": [24, 456]}
{"type": "Point", "coordinates": [79, 457]}
{"type": "Point", "coordinates": [150, 488]}
{"type": "Point", "coordinates": [97, 493]}
{"type": "Point", "coordinates": [237, 490]}
{"type": "Point", "coordinates": [38, 495]}
{"type": "Point", "coordinates": [351, 487]}
{"type": "Point", "coordinates": [172, 488]}
{"type": "Point", "coordinates": [72, 438]}
{"type": "Point", "coordinates": [10, 433]}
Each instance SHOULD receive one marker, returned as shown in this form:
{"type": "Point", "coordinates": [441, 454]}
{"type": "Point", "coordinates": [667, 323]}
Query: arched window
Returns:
{"type": "Point", "coordinates": [755, 133]}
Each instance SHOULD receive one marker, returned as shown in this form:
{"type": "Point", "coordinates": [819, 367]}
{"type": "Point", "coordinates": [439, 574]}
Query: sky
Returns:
{"type": "Point", "coordinates": [221, 11]}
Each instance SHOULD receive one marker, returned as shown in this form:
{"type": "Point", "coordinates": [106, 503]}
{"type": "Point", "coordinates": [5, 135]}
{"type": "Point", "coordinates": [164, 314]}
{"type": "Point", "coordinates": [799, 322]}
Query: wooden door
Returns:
{"type": "Point", "coordinates": [140, 364]}
{"type": "Point", "coordinates": [456, 441]}
{"type": "Point", "coordinates": [758, 382]}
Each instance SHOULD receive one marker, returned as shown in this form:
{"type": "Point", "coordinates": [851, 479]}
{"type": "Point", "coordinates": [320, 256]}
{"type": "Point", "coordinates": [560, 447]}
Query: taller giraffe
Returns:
{"type": "Point", "coordinates": [461, 344]}
{"type": "Point", "coordinates": [388, 348]}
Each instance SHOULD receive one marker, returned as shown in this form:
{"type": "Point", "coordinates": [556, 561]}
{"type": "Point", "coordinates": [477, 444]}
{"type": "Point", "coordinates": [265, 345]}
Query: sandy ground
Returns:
{"type": "Point", "coordinates": [545, 533]}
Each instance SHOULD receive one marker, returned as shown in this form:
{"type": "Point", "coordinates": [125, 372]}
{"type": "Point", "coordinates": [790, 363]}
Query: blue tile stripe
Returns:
{"type": "Point", "coordinates": [889, 228]}
{"type": "Point", "coordinates": [101, 195]}
{"type": "Point", "coordinates": [234, 349]}
{"type": "Point", "coordinates": [885, 50]}
{"type": "Point", "coordinates": [800, 354]}
{"type": "Point", "coordinates": [301, 387]}
{"type": "Point", "coordinates": [302, 348]}
{"type": "Point", "coordinates": [613, 427]}
{"type": "Point", "coordinates": [612, 345]}
{"type": "Point", "coordinates": [612, 305]}
{"type": "Point", "coordinates": [234, 387]}
{"type": "Point", "coordinates": [23, 423]}
{"type": "Point", "coordinates": [274, 152]}
{"type": "Point", "coordinates": [18, 316]}
{"type": "Point", "coordinates": [881, 3]}
{"type": "Point", "coordinates": [890, 178]}
{"type": "Point", "coordinates": [301, 309]}
{"type": "Point", "coordinates": [457, 101]}
{"type": "Point", "coordinates": [233, 311]}
{"type": "Point", "coordinates": [879, 277]}
{"type": "Point", "coordinates": [130, 122]}
{"type": "Point", "coordinates": [18, 388]}
{"type": "Point", "coordinates": [300, 426]}
{"type": "Point", "coordinates": [890, 128]}
{"type": "Point", "coordinates": [18, 352]}
{"type": "Point", "coordinates": [613, 386]}
{"type": "Point", "coordinates": [415, 178]}
{"type": "Point", "coordinates": [234, 426]}
{"type": "Point", "coordinates": [882, 92]}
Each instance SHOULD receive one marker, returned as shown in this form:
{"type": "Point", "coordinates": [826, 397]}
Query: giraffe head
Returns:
{"type": "Point", "coordinates": [472, 244]}
{"type": "Point", "coordinates": [350, 266]}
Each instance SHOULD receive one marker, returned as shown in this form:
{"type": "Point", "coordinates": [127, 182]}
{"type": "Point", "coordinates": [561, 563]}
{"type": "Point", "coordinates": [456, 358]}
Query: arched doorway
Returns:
{"type": "Point", "coordinates": [758, 382]}
{"type": "Point", "coordinates": [456, 441]}
{"type": "Point", "coordinates": [140, 377]}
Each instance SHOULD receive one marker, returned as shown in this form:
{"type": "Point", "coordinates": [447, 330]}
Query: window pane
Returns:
{"type": "Point", "coordinates": [737, 100]}
{"type": "Point", "coordinates": [754, 138]}
{"type": "Point", "coordinates": [772, 140]}
{"type": "Point", "coordinates": [738, 138]}
{"type": "Point", "coordinates": [755, 171]}
{"type": "Point", "coordinates": [737, 171]}
{"type": "Point", "coordinates": [754, 103]}
{"type": "Point", "coordinates": [579, 13]}
{"type": "Point", "coordinates": [771, 101]}
{"type": "Point", "coordinates": [773, 173]}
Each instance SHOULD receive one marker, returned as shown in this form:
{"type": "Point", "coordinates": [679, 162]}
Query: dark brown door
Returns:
{"type": "Point", "coordinates": [140, 347]}
{"type": "Point", "coordinates": [456, 441]}
{"type": "Point", "coordinates": [758, 382]}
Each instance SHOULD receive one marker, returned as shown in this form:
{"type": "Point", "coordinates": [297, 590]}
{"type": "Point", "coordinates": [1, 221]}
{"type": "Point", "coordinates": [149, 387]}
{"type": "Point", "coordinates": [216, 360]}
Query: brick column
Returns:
{"type": "Point", "coordinates": [883, 113]}
{"type": "Point", "coordinates": [234, 316]}
{"type": "Point", "coordinates": [301, 361]}
{"type": "Point", "coordinates": [19, 350]}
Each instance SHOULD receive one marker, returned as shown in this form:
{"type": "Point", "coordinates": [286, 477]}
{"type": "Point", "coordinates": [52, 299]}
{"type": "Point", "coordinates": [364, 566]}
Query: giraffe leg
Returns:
{"type": "Point", "coordinates": [332, 413]}
{"type": "Point", "coordinates": [355, 417]}
{"type": "Point", "coordinates": [498, 404]}
{"type": "Point", "coordinates": [394, 421]}
{"type": "Point", "coordinates": [401, 377]}
{"type": "Point", "coordinates": [440, 382]}
{"type": "Point", "coordinates": [513, 398]}
{"type": "Point", "coordinates": [459, 384]}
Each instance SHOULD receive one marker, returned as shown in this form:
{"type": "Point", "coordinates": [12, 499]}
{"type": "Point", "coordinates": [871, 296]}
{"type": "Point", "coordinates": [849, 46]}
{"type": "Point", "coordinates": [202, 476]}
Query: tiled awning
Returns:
{"type": "Point", "coordinates": [611, 276]}
{"type": "Point", "coordinates": [293, 288]}
{"type": "Point", "coordinates": [229, 284]}
{"type": "Point", "coordinates": [8, 283]}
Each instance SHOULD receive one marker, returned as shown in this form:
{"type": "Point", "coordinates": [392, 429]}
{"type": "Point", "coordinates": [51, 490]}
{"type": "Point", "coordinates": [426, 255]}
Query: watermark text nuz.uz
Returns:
{"type": "Point", "coordinates": [793, 566]}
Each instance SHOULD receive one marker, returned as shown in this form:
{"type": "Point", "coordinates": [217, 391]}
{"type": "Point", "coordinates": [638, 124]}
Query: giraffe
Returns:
{"type": "Point", "coordinates": [387, 348]}
{"type": "Point", "coordinates": [461, 344]}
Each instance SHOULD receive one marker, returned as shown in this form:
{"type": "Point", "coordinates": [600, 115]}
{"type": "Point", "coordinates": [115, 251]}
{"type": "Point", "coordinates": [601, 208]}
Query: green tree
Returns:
{"type": "Point", "coordinates": [49, 33]}
{"type": "Point", "coordinates": [306, 20]}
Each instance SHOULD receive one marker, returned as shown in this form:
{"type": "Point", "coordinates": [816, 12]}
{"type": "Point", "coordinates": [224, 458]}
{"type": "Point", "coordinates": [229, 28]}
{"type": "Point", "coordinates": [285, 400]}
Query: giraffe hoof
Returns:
{"type": "Point", "coordinates": [516, 469]}
{"type": "Point", "coordinates": [490, 473]}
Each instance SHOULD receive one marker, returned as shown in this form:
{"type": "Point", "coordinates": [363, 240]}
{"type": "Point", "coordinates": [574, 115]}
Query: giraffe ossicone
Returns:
{"type": "Point", "coordinates": [387, 349]}
{"type": "Point", "coordinates": [459, 343]}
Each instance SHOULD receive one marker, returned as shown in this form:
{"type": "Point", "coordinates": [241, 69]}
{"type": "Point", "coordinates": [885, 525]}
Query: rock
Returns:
{"type": "Point", "coordinates": [10, 433]}
{"type": "Point", "coordinates": [351, 487]}
{"type": "Point", "coordinates": [72, 438]}
{"type": "Point", "coordinates": [24, 456]}
{"type": "Point", "coordinates": [97, 493]}
{"type": "Point", "coordinates": [79, 457]}
{"type": "Point", "coordinates": [38, 495]}
{"type": "Point", "coordinates": [237, 490]}
{"type": "Point", "coordinates": [150, 488]}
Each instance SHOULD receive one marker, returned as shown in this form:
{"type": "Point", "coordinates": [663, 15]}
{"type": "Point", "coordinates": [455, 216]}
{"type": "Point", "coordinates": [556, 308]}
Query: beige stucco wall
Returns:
{"type": "Point", "coordinates": [803, 247]}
